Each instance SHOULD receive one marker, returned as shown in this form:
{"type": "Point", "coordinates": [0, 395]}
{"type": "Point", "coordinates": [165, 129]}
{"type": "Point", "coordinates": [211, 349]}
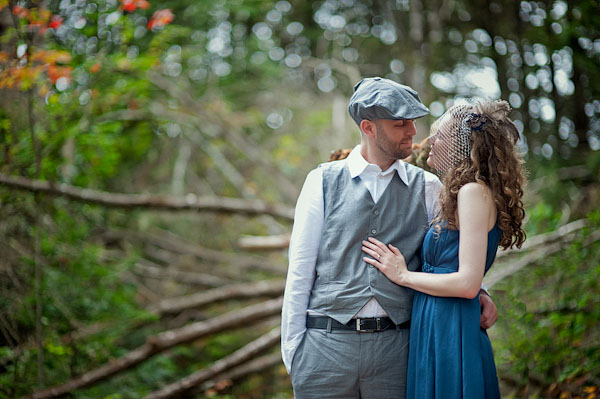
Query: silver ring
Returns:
{"type": "Point", "coordinates": [378, 256]}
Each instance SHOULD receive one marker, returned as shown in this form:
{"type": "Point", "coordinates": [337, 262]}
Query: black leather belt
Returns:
{"type": "Point", "coordinates": [366, 324]}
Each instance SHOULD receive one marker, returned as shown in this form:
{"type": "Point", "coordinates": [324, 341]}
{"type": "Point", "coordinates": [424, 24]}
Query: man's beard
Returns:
{"type": "Point", "coordinates": [385, 145]}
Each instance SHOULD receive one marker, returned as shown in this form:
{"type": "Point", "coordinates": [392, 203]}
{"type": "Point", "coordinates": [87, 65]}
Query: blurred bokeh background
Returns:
{"type": "Point", "coordinates": [151, 153]}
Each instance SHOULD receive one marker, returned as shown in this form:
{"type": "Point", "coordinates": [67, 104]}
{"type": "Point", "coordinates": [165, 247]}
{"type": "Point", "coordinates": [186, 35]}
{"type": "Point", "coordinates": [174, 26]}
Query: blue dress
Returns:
{"type": "Point", "coordinates": [450, 357]}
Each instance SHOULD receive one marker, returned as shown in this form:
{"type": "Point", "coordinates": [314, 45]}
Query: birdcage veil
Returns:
{"type": "Point", "coordinates": [450, 138]}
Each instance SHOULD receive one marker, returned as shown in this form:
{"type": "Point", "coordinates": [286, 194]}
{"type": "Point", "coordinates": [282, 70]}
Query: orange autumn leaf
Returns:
{"type": "Point", "coordinates": [18, 76]}
{"type": "Point", "coordinates": [20, 12]}
{"type": "Point", "coordinates": [38, 26]}
{"type": "Point", "coordinates": [51, 56]}
{"type": "Point", "coordinates": [40, 66]}
{"type": "Point", "coordinates": [143, 4]}
{"type": "Point", "coordinates": [132, 5]}
{"type": "Point", "coordinates": [53, 73]}
{"type": "Point", "coordinates": [95, 68]}
{"type": "Point", "coordinates": [39, 20]}
{"type": "Point", "coordinates": [55, 22]}
{"type": "Point", "coordinates": [161, 18]}
{"type": "Point", "coordinates": [128, 5]}
{"type": "Point", "coordinates": [37, 16]}
{"type": "Point", "coordinates": [57, 72]}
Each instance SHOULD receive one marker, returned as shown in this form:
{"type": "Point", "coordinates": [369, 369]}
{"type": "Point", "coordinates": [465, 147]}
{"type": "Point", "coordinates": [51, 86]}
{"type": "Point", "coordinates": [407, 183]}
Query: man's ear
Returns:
{"type": "Point", "coordinates": [368, 127]}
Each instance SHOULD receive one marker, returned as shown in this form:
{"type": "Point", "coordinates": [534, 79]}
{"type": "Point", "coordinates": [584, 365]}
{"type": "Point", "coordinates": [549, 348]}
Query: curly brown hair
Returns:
{"type": "Point", "coordinates": [494, 161]}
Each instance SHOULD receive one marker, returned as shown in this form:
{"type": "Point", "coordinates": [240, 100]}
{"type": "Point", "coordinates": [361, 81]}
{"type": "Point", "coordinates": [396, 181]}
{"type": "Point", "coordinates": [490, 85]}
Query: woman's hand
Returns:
{"type": "Point", "coordinates": [388, 259]}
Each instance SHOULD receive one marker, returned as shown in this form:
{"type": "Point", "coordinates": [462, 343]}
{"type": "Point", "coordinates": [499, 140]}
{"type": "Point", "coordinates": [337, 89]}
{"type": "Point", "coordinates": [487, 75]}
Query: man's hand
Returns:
{"type": "Point", "coordinates": [489, 313]}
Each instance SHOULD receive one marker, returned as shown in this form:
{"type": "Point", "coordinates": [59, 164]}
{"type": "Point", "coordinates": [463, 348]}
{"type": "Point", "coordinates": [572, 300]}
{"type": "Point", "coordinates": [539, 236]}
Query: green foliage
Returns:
{"type": "Point", "coordinates": [79, 288]}
{"type": "Point", "coordinates": [549, 316]}
{"type": "Point", "coordinates": [542, 217]}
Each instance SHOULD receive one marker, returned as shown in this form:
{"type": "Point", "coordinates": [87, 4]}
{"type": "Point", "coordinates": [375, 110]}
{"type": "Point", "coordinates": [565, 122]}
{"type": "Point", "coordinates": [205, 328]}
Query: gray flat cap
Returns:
{"type": "Point", "coordinates": [379, 98]}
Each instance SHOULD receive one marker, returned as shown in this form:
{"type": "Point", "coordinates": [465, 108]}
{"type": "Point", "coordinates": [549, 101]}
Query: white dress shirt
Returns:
{"type": "Point", "coordinates": [306, 239]}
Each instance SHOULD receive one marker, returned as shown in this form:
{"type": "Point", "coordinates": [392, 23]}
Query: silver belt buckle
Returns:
{"type": "Point", "coordinates": [377, 328]}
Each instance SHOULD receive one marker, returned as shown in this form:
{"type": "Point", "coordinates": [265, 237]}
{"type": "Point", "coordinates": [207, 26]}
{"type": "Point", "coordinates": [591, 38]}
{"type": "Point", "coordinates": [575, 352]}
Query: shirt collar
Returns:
{"type": "Point", "coordinates": [358, 165]}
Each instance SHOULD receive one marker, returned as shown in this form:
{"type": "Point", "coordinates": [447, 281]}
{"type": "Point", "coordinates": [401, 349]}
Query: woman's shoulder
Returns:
{"type": "Point", "coordinates": [475, 196]}
{"type": "Point", "coordinates": [476, 200]}
{"type": "Point", "coordinates": [475, 189]}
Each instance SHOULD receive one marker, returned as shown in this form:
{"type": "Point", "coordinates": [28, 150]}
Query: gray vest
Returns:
{"type": "Point", "coordinates": [344, 283]}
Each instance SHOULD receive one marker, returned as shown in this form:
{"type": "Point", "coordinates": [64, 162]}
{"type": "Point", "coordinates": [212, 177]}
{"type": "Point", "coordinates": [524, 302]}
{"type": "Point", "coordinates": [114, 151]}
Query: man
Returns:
{"type": "Point", "coordinates": [345, 326]}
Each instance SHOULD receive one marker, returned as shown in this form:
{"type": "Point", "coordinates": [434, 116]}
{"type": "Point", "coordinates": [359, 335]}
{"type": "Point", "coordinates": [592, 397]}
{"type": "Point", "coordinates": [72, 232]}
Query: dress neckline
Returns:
{"type": "Point", "coordinates": [443, 227]}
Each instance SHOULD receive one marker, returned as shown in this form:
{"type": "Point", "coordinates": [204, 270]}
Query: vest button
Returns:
{"type": "Point", "coordinates": [374, 231]}
{"type": "Point", "coordinates": [376, 213]}
{"type": "Point", "coordinates": [372, 284]}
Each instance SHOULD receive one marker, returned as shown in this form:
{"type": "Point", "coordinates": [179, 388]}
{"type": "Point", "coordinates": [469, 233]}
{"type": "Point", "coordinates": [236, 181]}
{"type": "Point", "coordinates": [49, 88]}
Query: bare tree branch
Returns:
{"type": "Point", "coordinates": [256, 155]}
{"type": "Point", "coordinates": [218, 123]}
{"type": "Point", "coordinates": [280, 241]}
{"type": "Point", "coordinates": [86, 331]}
{"type": "Point", "coordinates": [189, 202]}
{"type": "Point", "coordinates": [146, 269]}
{"type": "Point", "coordinates": [257, 365]}
{"type": "Point", "coordinates": [241, 355]}
{"type": "Point", "coordinates": [545, 238]}
{"type": "Point", "coordinates": [180, 304]}
{"type": "Point", "coordinates": [501, 271]}
{"type": "Point", "coordinates": [163, 341]}
{"type": "Point", "coordinates": [223, 165]}
{"type": "Point", "coordinates": [350, 70]}
{"type": "Point", "coordinates": [178, 245]}
{"type": "Point", "coordinates": [235, 291]}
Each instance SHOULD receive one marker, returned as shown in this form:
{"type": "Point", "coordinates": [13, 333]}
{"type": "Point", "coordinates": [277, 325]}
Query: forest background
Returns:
{"type": "Point", "coordinates": [151, 153]}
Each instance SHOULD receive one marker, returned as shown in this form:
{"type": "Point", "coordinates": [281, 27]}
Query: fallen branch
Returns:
{"type": "Point", "coordinates": [176, 305]}
{"type": "Point", "coordinates": [163, 341]}
{"type": "Point", "coordinates": [145, 294]}
{"type": "Point", "coordinates": [238, 357]}
{"type": "Point", "coordinates": [264, 242]}
{"type": "Point", "coordinates": [161, 273]}
{"type": "Point", "coordinates": [499, 272]}
{"type": "Point", "coordinates": [180, 246]}
{"type": "Point", "coordinates": [542, 239]}
{"type": "Point", "coordinates": [566, 173]}
{"type": "Point", "coordinates": [254, 366]}
{"type": "Point", "coordinates": [235, 291]}
{"type": "Point", "coordinates": [151, 201]}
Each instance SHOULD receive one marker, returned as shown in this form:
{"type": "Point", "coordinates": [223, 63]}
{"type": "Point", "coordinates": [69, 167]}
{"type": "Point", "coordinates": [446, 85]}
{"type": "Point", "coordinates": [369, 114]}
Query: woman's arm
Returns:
{"type": "Point", "coordinates": [474, 209]}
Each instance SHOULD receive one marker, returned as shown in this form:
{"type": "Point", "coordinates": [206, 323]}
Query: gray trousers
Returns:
{"type": "Point", "coordinates": [348, 364]}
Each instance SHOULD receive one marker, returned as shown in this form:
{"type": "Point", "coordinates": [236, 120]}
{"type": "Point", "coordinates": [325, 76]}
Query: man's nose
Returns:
{"type": "Point", "coordinates": [412, 129]}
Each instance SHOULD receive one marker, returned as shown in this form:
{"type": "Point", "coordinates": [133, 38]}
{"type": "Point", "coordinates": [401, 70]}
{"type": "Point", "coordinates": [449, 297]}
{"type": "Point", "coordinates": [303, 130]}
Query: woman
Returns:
{"type": "Point", "coordinates": [473, 146]}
